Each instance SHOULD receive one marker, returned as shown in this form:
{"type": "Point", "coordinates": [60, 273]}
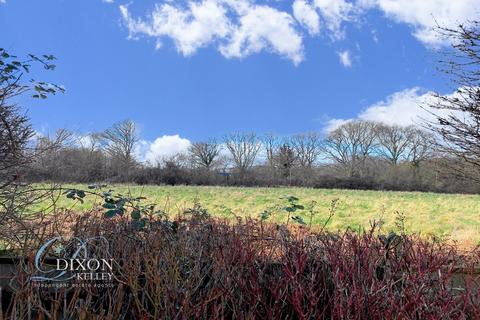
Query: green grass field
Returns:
{"type": "Point", "coordinates": [456, 217]}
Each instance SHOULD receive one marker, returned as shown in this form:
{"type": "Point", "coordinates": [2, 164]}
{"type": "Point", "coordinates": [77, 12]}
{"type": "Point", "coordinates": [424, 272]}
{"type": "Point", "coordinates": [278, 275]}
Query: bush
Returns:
{"type": "Point", "coordinates": [196, 267]}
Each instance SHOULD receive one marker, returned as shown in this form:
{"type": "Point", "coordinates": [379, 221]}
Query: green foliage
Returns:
{"type": "Point", "coordinates": [117, 204]}
{"type": "Point", "coordinates": [75, 194]}
{"type": "Point", "coordinates": [400, 219]}
{"type": "Point", "coordinates": [265, 215]}
{"type": "Point", "coordinates": [197, 211]}
{"type": "Point", "coordinates": [12, 68]}
{"type": "Point", "coordinates": [299, 220]}
{"type": "Point", "coordinates": [292, 206]}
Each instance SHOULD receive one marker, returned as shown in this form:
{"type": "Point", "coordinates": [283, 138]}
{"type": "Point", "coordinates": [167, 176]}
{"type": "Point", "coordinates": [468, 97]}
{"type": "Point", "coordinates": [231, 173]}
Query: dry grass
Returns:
{"type": "Point", "coordinates": [451, 216]}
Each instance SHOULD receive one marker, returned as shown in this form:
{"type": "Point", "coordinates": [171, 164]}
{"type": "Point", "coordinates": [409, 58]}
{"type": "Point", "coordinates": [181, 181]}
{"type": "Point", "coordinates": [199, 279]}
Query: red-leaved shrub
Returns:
{"type": "Point", "coordinates": [210, 269]}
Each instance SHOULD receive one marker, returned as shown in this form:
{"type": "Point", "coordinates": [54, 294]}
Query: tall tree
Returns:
{"type": "Point", "coordinates": [307, 148]}
{"type": "Point", "coordinates": [243, 148]}
{"type": "Point", "coordinates": [393, 142]}
{"type": "Point", "coordinates": [421, 146]}
{"type": "Point", "coordinates": [351, 144]}
{"type": "Point", "coordinates": [204, 154]}
{"type": "Point", "coordinates": [15, 128]}
{"type": "Point", "coordinates": [271, 144]}
{"type": "Point", "coordinates": [458, 115]}
{"type": "Point", "coordinates": [119, 143]}
{"type": "Point", "coordinates": [120, 140]}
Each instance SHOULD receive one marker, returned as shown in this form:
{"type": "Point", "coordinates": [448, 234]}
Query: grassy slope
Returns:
{"type": "Point", "coordinates": [456, 216]}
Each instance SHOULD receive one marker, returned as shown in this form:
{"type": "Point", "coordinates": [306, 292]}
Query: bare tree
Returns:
{"type": "Point", "coordinates": [350, 145]}
{"type": "Point", "coordinates": [204, 154]}
{"type": "Point", "coordinates": [90, 142]}
{"type": "Point", "coordinates": [15, 129]}
{"type": "Point", "coordinates": [15, 132]}
{"type": "Point", "coordinates": [393, 142]}
{"type": "Point", "coordinates": [243, 148]}
{"type": "Point", "coordinates": [458, 115]}
{"type": "Point", "coordinates": [120, 141]}
{"type": "Point", "coordinates": [421, 146]}
{"type": "Point", "coordinates": [307, 147]}
{"type": "Point", "coordinates": [271, 144]}
{"type": "Point", "coordinates": [15, 135]}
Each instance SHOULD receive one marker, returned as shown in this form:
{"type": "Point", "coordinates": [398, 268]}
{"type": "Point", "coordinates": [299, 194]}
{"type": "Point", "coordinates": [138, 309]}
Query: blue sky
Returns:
{"type": "Point", "coordinates": [180, 67]}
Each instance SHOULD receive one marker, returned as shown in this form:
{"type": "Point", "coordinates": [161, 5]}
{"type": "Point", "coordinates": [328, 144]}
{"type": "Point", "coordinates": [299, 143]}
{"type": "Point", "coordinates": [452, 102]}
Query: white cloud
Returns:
{"type": "Point", "coordinates": [239, 28]}
{"type": "Point", "coordinates": [423, 15]}
{"type": "Point", "coordinates": [335, 13]}
{"type": "Point", "coordinates": [84, 141]}
{"type": "Point", "coordinates": [333, 124]}
{"type": "Point", "coordinates": [374, 36]}
{"type": "Point", "coordinates": [190, 28]}
{"type": "Point", "coordinates": [248, 29]}
{"type": "Point", "coordinates": [306, 16]}
{"type": "Point", "coordinates": [401, 108]}
{"type": "Point", "coordinates": [345, 58]}
{"type": "Point", "coordinates": [108, 1]}
{"type": "Point", "coordinates": [161, 148]}
{"type": "Point", "coordinates": [264, 28]}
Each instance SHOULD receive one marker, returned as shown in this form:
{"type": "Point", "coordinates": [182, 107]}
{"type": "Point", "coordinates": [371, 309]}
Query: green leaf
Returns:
{"type": "Point", "coordinates": [111, 213]}
{"type": "Point", "coordinates": [136, 214]}
{"type": "Point", "coordinates": [120, 202]}
{"type": "Point", "coordinates": [265, 215]}
{"type": "Point", "coordinates": [299, 220]}
{"type": "Point", "coordinates": [109, 206]}
{"type": "Point", "coordinates": [140, 223]}
{"type": "Point", "coordinates": [292, 198]}
{"type": "Point", "coordinates": [109, 200]}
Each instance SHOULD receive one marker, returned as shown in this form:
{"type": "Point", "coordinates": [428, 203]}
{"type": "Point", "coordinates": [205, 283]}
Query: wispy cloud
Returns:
{"type": "Point", "coordinates": [307, 16]}
{"type": "Point", "coordinates": [345, 58]}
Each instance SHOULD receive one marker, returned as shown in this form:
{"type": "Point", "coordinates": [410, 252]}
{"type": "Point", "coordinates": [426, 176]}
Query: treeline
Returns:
{"type": "Point", "coordinates": [358, 154]}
